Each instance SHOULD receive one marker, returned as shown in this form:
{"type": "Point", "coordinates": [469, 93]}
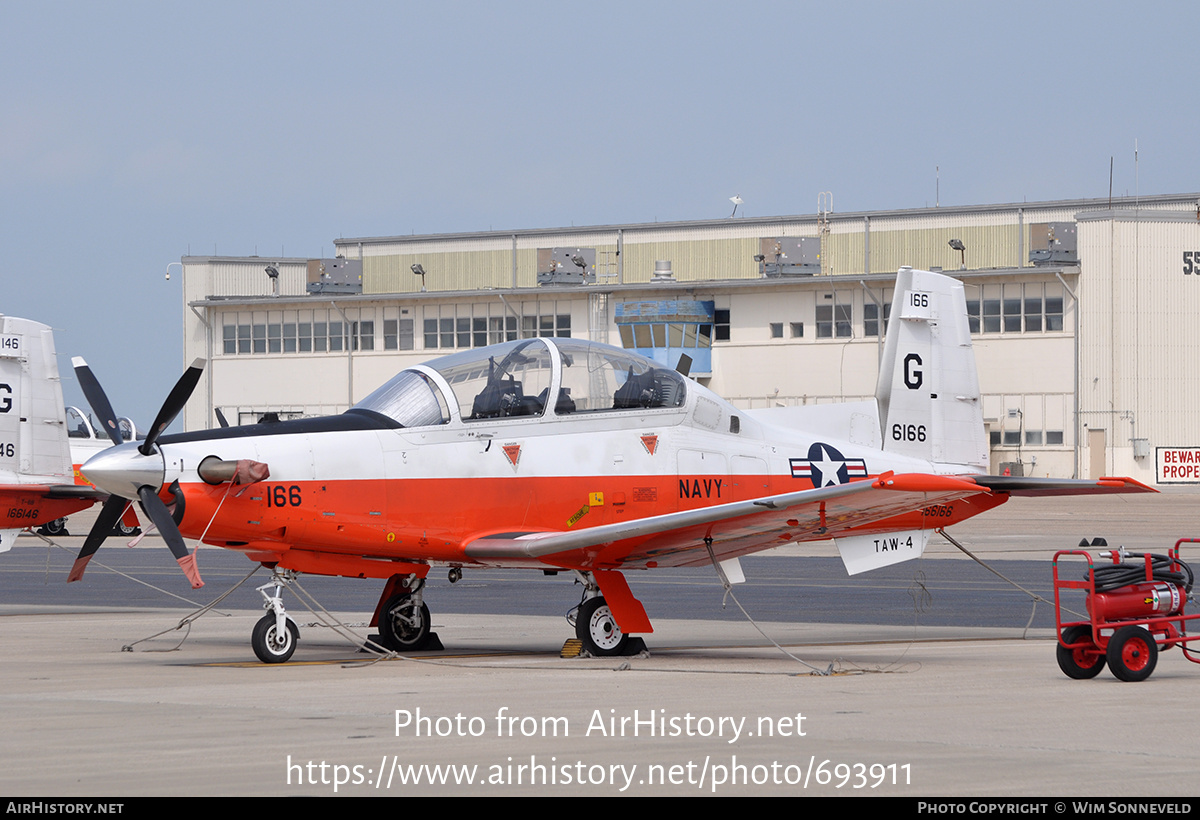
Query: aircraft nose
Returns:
{"type": "Point", "coordinates": [121, 470]}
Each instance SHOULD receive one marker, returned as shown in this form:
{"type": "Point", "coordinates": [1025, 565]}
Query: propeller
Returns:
{"type": "Point", "coordinates": [100, 405]}
{"type": "Point", "coordinates": [134, 471]}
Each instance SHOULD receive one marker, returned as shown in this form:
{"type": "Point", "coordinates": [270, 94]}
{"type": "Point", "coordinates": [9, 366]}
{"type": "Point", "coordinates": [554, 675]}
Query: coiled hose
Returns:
{"type": "Point", "coordinates": [1115, 576]}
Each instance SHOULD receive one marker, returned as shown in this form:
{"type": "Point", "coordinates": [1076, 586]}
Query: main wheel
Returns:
{"type": "Point", "coordinates": [396, 629]}
{"type": "Point", "coordinates": [1132, 653]}
{"type": "Point", "coordinates": [55, 528]}
{"type": "Point", "coordinates": [1079, 663]}
{"type": "Point", "coordinates": [121, 530]}
{"type": "Point", "coordinates": [597, 628]}
{"type": "Point", "coordinates": [269, 645]}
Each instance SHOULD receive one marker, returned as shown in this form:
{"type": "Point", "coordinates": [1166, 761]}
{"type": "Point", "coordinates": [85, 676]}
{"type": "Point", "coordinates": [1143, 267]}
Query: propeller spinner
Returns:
{"type": "Point", "coordinates": [134, 471]}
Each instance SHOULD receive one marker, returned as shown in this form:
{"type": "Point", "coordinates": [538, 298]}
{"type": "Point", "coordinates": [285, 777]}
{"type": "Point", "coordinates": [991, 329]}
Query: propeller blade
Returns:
{"type": "Point", "coordinates": [221, 417]}
{"type": "Point", "coordinates": [161, 516]}
{"type": "Point", "coordinates": [96, 397]}
{"type": "Point", "coordinates": [178, 397]}
{"type": "Point", "coordinates": [109, 515]}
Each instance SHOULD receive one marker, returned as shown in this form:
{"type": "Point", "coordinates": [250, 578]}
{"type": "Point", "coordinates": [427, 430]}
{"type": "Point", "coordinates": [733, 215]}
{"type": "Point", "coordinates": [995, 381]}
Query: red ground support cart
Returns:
{"type": "Point", "coordinates": [1136, 604]}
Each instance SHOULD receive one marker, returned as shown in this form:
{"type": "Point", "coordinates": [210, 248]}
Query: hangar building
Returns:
{"type": "Point", "coordinates": [1081, 311]}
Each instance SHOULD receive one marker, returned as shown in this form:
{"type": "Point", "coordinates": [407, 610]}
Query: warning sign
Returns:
{"type": "Point", "coordinates": [1178, 465]}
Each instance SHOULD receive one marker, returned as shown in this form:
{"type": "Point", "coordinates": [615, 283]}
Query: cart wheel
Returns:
{"type": "Point", "coordinates": [1132, 653]}
{"type": "Point", "coordinates": [1079, 664]}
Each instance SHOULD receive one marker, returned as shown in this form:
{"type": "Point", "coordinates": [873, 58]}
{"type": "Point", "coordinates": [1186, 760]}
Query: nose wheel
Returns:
{"type": "Point", "coordinates": [271, 643]}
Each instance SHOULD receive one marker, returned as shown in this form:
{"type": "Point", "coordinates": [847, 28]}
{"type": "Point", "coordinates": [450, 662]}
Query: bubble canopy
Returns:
{"type": "Point", "coordinates": [516, 380]}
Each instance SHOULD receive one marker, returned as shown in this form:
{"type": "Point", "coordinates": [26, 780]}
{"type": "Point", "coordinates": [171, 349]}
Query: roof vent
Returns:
{"type": "Point", "coordinates": [662, 273]}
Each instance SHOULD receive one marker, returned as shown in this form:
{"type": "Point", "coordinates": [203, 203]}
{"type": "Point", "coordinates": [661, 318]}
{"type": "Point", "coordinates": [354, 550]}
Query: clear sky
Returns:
{"type": "Point", "coordinates": [137, 133]}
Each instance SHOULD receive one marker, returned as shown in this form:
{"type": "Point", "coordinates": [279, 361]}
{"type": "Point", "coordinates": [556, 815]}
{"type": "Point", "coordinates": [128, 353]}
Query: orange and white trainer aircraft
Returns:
{"type": "Point", "coordinates": [566, 455]}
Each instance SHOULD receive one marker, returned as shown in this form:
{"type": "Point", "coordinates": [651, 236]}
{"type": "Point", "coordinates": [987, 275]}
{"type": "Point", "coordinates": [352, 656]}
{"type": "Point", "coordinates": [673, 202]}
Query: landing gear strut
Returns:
{"type": "Point", "coordinates": [404, 619]}
{"type": "Point", "coordinates": [275, 635]}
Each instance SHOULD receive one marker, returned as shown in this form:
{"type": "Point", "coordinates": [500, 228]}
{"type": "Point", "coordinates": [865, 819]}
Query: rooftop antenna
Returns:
{"type": "Point", "coordinates": [1110, 175]}
{"type": "Point", "coordinates": [737, 200]}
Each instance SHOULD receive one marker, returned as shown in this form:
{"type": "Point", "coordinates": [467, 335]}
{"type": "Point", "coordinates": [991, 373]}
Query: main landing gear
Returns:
{"type": "Point", "coordinates": [404, 618]}
{"type": "Point", "coordinates": [595, 626]}
{"type": "Point", "coordinates": [275, 635]}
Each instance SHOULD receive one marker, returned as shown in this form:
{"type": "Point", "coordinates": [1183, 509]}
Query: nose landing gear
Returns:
{"type": "Point", "coordinates": [275, 635]}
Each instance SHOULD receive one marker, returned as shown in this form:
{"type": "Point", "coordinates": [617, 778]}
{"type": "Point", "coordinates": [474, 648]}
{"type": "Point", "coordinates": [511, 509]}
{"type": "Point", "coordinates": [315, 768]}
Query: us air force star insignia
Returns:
{"type": "Point", "coordinates": [829, 469]}
{"type": "Point", "coordinates": [825, 466]}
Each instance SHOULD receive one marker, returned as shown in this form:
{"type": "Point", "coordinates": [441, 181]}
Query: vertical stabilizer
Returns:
{"type": "Point", "coordinates": [928, 390]}
{"type": "Point", "coordinates": [33, 436]}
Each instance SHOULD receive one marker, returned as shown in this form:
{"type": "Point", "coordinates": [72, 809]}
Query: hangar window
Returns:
{"type": "Point", "coordinates": [776, 330]}
{"type": "Point", "coordinates": [366, 335]}
{"type": "Point", "coordinates": [797, 330]}
{"type": "Point", "coordinates": [502, 329]}
{"type": "Point", "coordinates": [991, 309]}
{"type": "Point", "coordinates": [721, 325]}
{"type": "Point", "coordinates": [834, 320]}
{"type": "Point", "coordinates": [1031, 307]}
{"type": "Point", "coordinates": [1054, 307]}
{"type": "Point", "coordinates": [871, 324]}
{"type": "Point", "coordinates": [451, 327]}
{"type": "Point", "coordinates": [397, 334]}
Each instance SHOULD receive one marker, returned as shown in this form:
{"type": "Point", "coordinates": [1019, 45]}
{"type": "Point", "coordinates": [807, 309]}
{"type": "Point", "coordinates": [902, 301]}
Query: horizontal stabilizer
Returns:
{"type": "Point", "coordinates": [1020, 485]}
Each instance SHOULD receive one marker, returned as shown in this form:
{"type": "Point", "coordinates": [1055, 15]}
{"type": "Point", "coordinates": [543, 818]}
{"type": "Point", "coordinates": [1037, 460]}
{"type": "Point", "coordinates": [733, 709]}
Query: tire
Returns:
{"type": "Point", "coordinates": [1078, 663]}
{"type": "Point", "coordinates": [266, 647]}
{"type": "Point", "coordinates": [123, 531]}
{"type": "Point", "coordinates": [397, 634]}
{"type": "Point", "coordinates": [1132, 654]}
{"type": "Point", "coordinates": [596, 627]}
{"type": "Point", "coordinates": [55, 528]}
